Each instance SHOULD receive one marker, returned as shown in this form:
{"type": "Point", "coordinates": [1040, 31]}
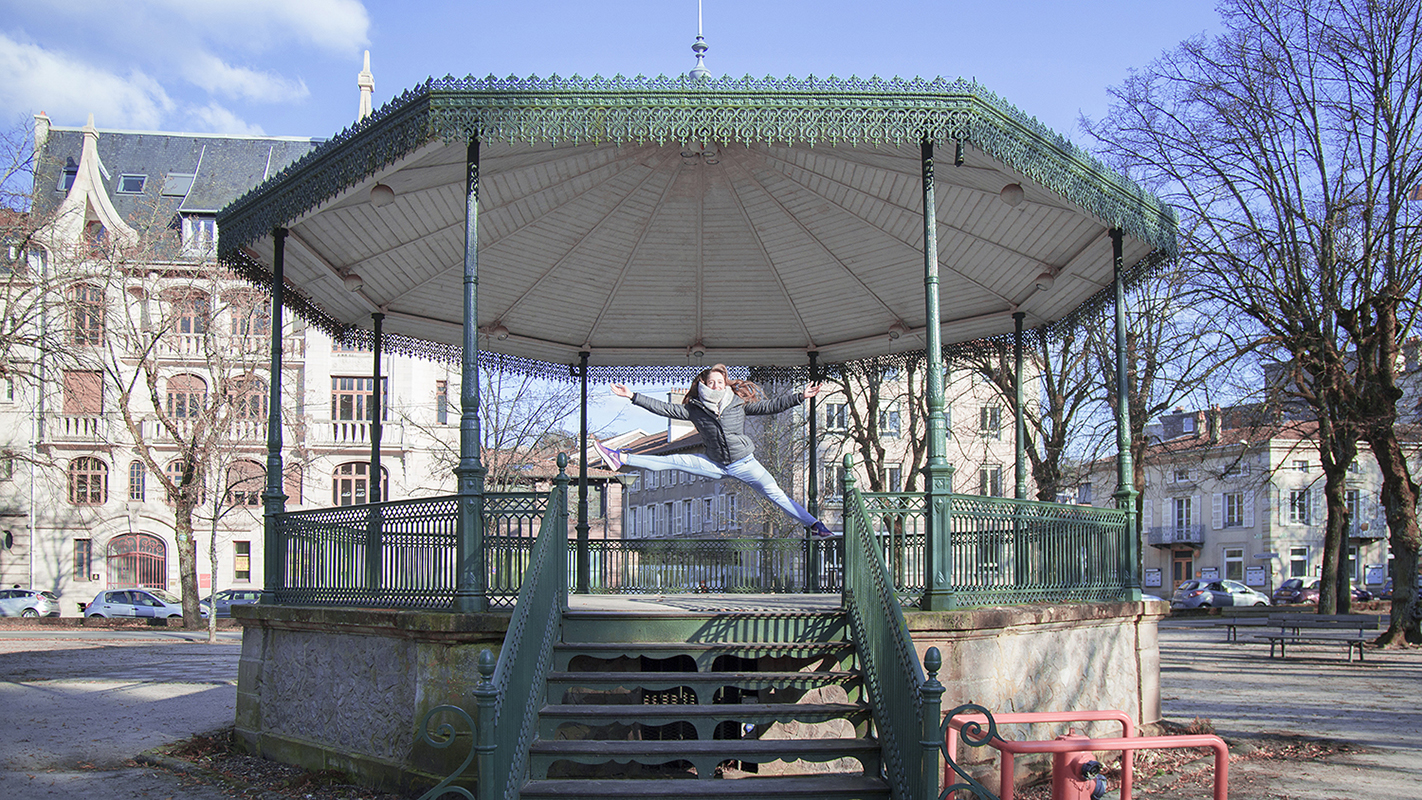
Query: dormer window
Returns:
{"type": "Point", "coordinates": [131, 184]}
{"type": "Point", "coordinates": [199, 236]}
{"type": "Point", "coordinates": [66, 180]}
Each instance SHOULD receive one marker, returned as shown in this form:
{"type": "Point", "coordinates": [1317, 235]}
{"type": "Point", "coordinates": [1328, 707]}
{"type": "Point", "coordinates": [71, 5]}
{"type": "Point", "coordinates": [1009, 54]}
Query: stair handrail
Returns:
{"type": "Point", "coordinates": [520, 679]}
{"type": "Point", "coordinates": [893, 676]}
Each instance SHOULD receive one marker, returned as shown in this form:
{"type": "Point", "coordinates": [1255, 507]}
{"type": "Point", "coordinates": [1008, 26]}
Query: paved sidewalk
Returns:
{"type": "Point", "coordinates": [1375, 704]}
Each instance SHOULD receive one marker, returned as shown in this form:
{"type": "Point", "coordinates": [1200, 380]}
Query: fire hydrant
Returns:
{"type": "Point", "coordinates": [1076, 776]}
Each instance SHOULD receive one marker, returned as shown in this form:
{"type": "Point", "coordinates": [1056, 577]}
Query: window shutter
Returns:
{"type": "Point", "coordinates": [1217, 510]}
{"type": "Point", "coordinates": [1196, 506]}
{"type": "Point", "coordinates": [1248, 503]}
{"type": "Point", "coordinates": [1146, 519]}
{"type": "Point", "coordinates": [1315, 494]}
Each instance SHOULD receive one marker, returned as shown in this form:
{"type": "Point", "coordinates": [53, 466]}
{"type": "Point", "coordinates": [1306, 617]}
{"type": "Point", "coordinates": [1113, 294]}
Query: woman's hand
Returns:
{"type": "Point", "coordinates": [621, 391]}
{"type": "Point", "coordinates": [812, 390]}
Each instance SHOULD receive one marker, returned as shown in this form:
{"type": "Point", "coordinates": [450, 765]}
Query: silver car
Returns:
{"type": "Point", "coordinates": [1215, 594]}
{"type": "Point", "coordinates": [28, 603]}
{"type": "Point", "coordinates": [227, 598]}
{"type": "Point", "coordinates": [142, 603]}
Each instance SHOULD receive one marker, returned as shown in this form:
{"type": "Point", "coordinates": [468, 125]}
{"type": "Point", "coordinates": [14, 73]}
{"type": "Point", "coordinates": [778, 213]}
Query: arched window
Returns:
{"type": "Point", "coordinates": [292, 483]}
{"type": "Point", "coordinates": [193, 311]}
{"type": "Point", "coordinates": [86, 315]}
{"type": "Point", "coordinates": [187, 396]}
{"type": "Point", "coordinates": [248, 394]}
{"type": "Point", "coordinates": [350, 484]}
{"type": "Point", "coordinates": [245, 481]}
{"type": "Point", "coordinates": [174, 471]}
{"type": "Point", "coordinates": [137, 559]}
{"type": "Point", "coordinates": [137, 481]}
{"type": "Point", "coordinates": [88, 482]}
{"type": "Point", "coordinates": [251, 316]}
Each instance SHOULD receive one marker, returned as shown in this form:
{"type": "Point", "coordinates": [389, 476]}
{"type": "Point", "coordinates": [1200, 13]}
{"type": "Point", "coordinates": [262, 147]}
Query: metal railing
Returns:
{"type": "Point", "coordinates": [892, 674]}
{"type": "Point", "coordinates": [401, 554]}
{"type": "Point", "coordinates": [1166, 535]}
{"type": "Point", "coordinates": [730, 565]}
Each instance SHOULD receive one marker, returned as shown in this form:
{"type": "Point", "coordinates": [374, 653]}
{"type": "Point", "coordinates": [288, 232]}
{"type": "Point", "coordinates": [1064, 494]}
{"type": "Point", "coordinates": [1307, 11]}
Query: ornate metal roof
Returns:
{"type": "Point", "coordinates": [651, 220]}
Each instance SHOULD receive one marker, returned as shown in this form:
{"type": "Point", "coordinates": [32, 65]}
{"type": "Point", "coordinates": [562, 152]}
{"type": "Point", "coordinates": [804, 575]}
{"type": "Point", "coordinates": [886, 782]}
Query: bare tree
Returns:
{"type": "Point", "coordinates": [1289, 142]}
{"type": "Point", "coordinates": [881, 398]}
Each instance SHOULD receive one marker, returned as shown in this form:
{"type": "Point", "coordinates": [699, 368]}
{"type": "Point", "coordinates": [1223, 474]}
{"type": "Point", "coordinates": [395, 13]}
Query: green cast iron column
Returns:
{"type": "Point", "coordinates": [812, 483]}
{"type": "Point", "coordinates": [273, 497]}
{"type": "Point", "coordinates": [583, 566]}
{"type": "Point", "coordinates": [1125, 494]}
{"type": "Point", "coordinates": [471, 590]}
{"type": "Point", "coordinates": [1020, 402]}
{"type": "Point", "coordinates": [375, 493]}
{"type": "Point", "coordinates": [938, 556]}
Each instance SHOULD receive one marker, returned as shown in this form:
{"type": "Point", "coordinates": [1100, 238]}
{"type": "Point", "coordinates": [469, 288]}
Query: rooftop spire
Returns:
{"type": "Point", "coordinates": [699, 72]}
{"type": "Point", "coordinates": [366, 81]}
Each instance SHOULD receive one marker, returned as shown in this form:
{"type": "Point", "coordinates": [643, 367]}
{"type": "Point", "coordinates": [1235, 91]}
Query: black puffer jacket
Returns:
{"type": "Point", "coordinates": [724, 436]}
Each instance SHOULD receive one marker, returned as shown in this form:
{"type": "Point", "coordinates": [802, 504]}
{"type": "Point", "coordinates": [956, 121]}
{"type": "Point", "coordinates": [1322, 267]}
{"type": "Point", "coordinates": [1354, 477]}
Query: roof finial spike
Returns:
{"type": "Point", "coordinates": [366, 82]}
{"type": "Point", "coordinates": [699, 72]}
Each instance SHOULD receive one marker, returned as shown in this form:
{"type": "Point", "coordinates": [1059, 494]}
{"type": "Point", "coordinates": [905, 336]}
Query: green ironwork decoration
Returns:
{"type": "Point", "coordinates": [974, 733]}
{"type": "Point", "coordinates": [445, 735]}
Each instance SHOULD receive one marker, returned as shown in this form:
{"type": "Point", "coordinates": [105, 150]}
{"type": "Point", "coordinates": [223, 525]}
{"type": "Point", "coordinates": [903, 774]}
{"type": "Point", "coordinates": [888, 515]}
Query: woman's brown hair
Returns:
{"type": "Point", "coordinates": [748, 391]}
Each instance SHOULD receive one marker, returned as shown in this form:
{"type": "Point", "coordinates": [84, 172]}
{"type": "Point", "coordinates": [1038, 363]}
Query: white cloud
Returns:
{"type": "Point", "coordinates": [339, 26]}
{"type": "Point", "coordinates": [216, 119]}
{"type": "Point", "coordinates": [69, 89]}
{"type": "Point", "coordinates": [217, 76]}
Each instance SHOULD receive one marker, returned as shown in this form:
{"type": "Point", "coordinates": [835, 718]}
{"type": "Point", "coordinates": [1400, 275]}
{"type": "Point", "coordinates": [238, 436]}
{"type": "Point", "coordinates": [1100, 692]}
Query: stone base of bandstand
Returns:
{"type": "Point", "coordinates": [345, 689]}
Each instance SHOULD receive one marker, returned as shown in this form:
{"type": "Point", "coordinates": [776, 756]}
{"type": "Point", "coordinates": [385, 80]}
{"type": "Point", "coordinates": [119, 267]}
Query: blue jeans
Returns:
{"type": "Point", "coordinates": [747, 471]}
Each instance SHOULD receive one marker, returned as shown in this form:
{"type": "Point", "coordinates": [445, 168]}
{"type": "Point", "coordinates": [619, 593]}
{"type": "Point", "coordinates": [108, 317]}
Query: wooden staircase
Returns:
{"type": "Point", "coordinates": [682, 705]}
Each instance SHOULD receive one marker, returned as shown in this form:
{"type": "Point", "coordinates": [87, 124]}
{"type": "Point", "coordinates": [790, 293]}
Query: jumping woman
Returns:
{"type": "Point", "coordinates": [718, 406]}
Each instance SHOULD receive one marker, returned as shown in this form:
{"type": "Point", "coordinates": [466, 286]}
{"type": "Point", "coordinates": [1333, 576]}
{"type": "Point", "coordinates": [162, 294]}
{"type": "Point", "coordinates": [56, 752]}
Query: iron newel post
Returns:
{"type": "Point", "coordinates": [470, 591]}
{"type": "Point", "coordinates": [583, 563]}
{"type": "Point", "coordinates": [273, 496]}
{"type": "Point", "coordinates": [1125, 494]}
{"type": "Point", "coordinates": [938, 594]}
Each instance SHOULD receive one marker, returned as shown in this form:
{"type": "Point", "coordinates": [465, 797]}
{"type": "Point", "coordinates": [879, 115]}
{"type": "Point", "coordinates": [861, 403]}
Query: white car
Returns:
{"type": "Point", "coordinates": [141, 603]}
{"type": "Point", "coordinates": [28, 603]}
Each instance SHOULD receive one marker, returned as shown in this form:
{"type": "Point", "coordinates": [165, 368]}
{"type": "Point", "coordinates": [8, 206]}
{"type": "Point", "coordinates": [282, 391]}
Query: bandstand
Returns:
{"type": "Point", "coordinates": [638, 230]}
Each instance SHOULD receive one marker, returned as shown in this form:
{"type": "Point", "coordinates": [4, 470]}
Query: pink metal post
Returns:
{"type": "Point", "coordinates": [1006, 770]}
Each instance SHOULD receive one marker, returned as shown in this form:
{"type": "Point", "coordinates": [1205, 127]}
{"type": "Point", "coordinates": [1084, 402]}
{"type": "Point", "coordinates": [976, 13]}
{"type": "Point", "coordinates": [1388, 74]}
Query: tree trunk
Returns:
{"type": "Point", "coordinates": [187, 563]}
{"type": "Point", "coordinates": [1399, 499]}
{"type": "Point", "coordinates": [1333, 594]}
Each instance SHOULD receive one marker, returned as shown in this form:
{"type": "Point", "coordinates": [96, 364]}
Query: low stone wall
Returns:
{"type": "Point", "coordinates": [344, 689]}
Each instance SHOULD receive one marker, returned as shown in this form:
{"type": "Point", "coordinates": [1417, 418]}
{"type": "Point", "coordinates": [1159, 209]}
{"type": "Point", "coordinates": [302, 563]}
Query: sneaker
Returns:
{"type": "Point", "coordinates": [819, 531]}
{"type": "Point", "coordinates": [612, 458]}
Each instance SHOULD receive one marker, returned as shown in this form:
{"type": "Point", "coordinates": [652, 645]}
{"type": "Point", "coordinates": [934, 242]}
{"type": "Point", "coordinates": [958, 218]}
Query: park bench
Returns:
{"type": "Point", "coordinates": [1297, 629]}
{"type": "Point", "coordinates": [1233, 624]}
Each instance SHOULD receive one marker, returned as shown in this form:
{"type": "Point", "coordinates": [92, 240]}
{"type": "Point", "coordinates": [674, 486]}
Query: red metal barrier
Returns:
{"type": "Point", "coordinates": [1127, 744]}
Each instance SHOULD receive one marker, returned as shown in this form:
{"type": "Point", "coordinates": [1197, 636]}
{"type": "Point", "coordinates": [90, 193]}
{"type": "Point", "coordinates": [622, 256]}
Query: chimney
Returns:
{"type": "Point", "coordinates": [41, 134]}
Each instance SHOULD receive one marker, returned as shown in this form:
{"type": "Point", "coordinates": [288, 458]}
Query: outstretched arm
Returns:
{"type": "Point", "coordinates": [651, 404]}
{"type": "Point", "coordinates": [785, 402]}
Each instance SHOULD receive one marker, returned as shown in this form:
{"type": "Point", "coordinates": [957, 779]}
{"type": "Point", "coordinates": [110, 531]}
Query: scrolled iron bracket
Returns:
{"type": "Point", "coordinates": [444, 735]}
{"type": "Point", "coordinates": [974, 733]}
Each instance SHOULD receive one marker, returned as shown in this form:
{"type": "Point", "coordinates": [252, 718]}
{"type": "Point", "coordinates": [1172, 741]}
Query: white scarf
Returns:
{"type": "Point", "coordinates": [717, 399]}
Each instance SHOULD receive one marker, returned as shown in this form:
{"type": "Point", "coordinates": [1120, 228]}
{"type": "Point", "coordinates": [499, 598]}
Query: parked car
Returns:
{"type": "Point", "coordinates": [155, 603]}
{"type": "Point", "coordinates": [1385, 593]}
{"type": "Point", "coordinates": [1215, 594]}
{"type": "Point", "coordinates": [227, 598]}
{"type": "Point", "coordinates": [1300, 593]}
{"type": "Point", "coordinates": [28, 603]}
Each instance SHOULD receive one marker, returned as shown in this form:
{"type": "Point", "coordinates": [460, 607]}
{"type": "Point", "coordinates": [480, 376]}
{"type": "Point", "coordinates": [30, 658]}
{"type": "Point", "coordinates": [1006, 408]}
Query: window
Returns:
{"type": "Point", "coordinates": [1298, 506]}
{"type": "Point", "coordinates": [351, 399]}
{"type": "Point", "coordinates": [83, 559]}
{"type": "Point", "coordinates": [990, 422]}
{"type": "Point", "coordinates": [836, 417]}
{"type": "Point", "coordinates": [1300, 466]}
{"type": "Point", "coordinates": [1234, 563]}
{"type": "Point", "coordinates": [1187, 424]}
{"type": "Point", "coordinates": [351, 347]}
{"type": "Point", "coordinates": [175, 472]}
{"type": "Point", "coordinates": [187, 396]}
{"type": "Point", "coordinates": [351, 484]}
{"type": "Point", "coordinates": [1351, 568]}
{"type": "Point", "coordinates": [889, 423]}
{"type": "Point", "coordinates": [688, 510]}
{"type": "Point", "coordinates": [88, 482]}
{"type": "Point", "coordinates": [1184, 514]}
{"type": "Point", "coordinates": [990, 480]}
{"type": "Point", "coordinates": [83, 392]}
{"type": "Point", "coordinates": [1298, 562]}
{"type": "Point", "coordinates": [199, 235]}
{"type": "Point", "coordinates": [733, 509]}
{"type": "Point", "coordinates": [250, 317]}
{"type": "Point", "coordinates": [292, 482]}
{"type": "Point", "coordinates": [242, 561]}
{"type": "Point", "coordinates": [834, 481]}
{"type": "Point", "coordinates": [86, 315]}
{"type": "Point", "coordinates": [1234, 510]}
{"type": "Point", "coordinates": [248, 395]}
{"type": "Point", "coordinates": [668, 518]}
{"type": "Point", "coordinates": [1083, 494]}
{"type": "Point", "coordinates": [895, 479]}
{"type": "Point", "coordinates": [193, 312]}
{"type": "Point", "coordinates": [245, 482]}
{"type": "Point", "coordinates": [708, 516]}
{"type": "Point", "coordinates": [137, 481]}
{"type": "Point", "coordinates": [1351, 499]}
{"type": "Point", "coordinates": [1180, 476]}
{"type": "Point", "coordinates": [131, 184]}
{"type": "Point", "coordinates": [66, 180]}
{"type": "Point", "coordinates": [441, 402]}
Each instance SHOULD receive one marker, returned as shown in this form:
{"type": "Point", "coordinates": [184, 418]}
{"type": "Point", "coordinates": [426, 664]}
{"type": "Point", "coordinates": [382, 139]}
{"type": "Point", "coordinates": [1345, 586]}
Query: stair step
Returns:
{"type": "Point", "coordinates": [704, 684]}
{"type": "Point", "coordinates": [789, 787]}
{"type": "Point", "coordinates": [689, 626]}
{"type": "Point", "coordinates": [704, 754]}
{"type": "Point", "coordinates": [704, 718]}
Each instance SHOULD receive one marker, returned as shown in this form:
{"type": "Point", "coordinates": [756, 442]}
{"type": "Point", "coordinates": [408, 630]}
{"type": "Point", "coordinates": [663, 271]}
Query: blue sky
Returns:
{"type": "Point", "coordinates": [288, 67]}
